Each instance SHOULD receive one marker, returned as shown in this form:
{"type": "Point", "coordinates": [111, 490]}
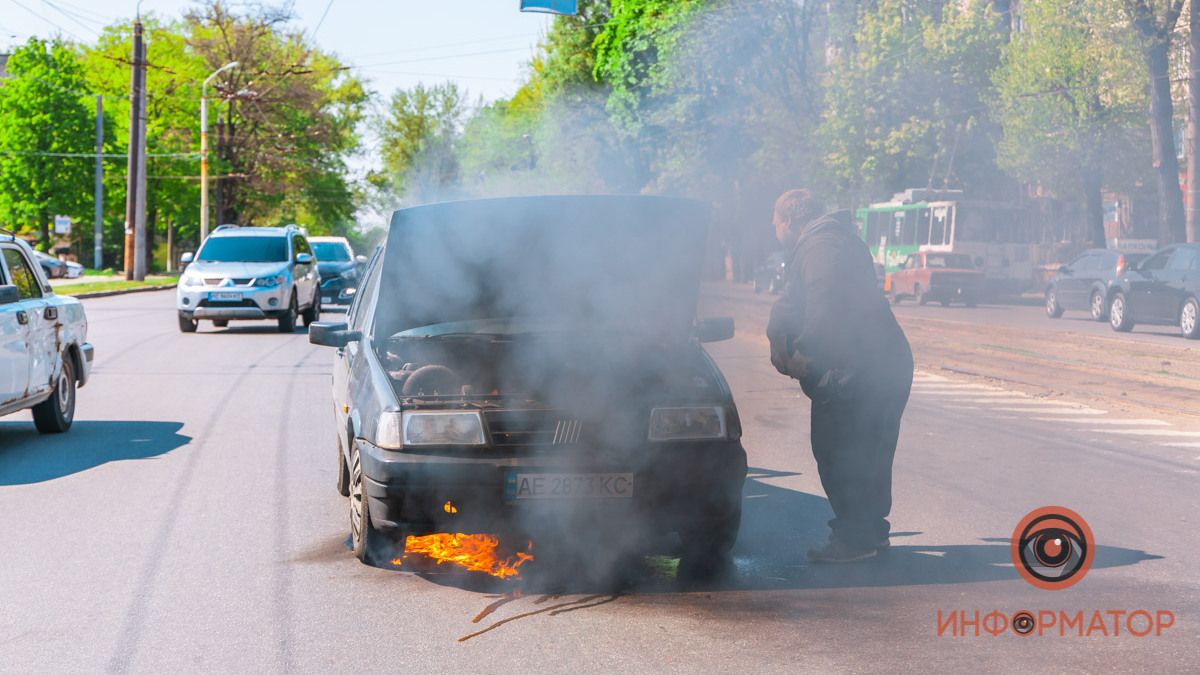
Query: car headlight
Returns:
{"type": "Point", "coordinates": [189, 280]}
{"type": "Point", "coordinates": [442, 427]}
{"type": "Point", "coordinates": [269, 281]}
{"type": "Point", "coordinates": [349, 274]}
{"type": "Point", "coordinates": [687, 424]}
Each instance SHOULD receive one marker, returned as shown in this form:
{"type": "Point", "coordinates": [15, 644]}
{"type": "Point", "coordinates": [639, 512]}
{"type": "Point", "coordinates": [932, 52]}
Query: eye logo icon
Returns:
{"type": "Point", "coordinates": [1053, 548]}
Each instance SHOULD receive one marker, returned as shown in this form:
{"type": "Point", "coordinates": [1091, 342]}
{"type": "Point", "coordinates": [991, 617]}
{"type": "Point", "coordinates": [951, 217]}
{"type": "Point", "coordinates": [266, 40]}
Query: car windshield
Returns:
{"type": "Point", "coordinates": [244, 249]}
{"type": "Point", "coordinates": [331, 251]}
{"type": "Point", "coordinates": [949, 260]}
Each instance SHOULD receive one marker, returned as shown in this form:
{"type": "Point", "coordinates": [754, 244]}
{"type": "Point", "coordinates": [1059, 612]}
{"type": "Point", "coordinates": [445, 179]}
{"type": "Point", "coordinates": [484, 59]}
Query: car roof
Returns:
{"type": "Point", "coordinates": [342, 240]}
{"type": "Point", "coordinates": [255, 231]}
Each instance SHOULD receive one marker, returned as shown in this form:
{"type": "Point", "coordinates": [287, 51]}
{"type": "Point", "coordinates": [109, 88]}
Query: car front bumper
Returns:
{"type": "Point", "coordinates": [337, 291]}
{"type": "Point", "coordinates": [675, 486]}
{"type": "Point", "coordinates": [200, 302]}
{"type": "Point", "coordinates": [87, 354]}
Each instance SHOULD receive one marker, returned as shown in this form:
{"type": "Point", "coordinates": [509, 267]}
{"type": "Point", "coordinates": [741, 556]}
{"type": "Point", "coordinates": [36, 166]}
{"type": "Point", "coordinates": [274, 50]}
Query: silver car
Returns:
{"type": "Point", "coordinates": [250, 273]}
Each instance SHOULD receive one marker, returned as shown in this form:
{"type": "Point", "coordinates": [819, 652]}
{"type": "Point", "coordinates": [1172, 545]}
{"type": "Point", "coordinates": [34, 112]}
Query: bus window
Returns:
{"type": "Point", "coordinates": [937, 230]}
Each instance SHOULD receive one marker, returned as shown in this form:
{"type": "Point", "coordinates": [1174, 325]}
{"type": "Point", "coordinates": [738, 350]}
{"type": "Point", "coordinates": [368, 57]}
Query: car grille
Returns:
{"type": "Point", "coordinates": [522, 428]}
{"type": "Point", "coordinates": [237, 281]}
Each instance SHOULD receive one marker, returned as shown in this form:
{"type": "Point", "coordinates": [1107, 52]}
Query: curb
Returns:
{"type": "Point", "coordinates": [121, 291]}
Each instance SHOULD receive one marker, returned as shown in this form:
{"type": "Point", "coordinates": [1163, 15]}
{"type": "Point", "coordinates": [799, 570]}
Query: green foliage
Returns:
{"type": "Point", "coordinates": [42, 113]}
{"type": "Point", "coordinates": [904, 103]}
{"type": "Point", "coordinates": [417, 137]}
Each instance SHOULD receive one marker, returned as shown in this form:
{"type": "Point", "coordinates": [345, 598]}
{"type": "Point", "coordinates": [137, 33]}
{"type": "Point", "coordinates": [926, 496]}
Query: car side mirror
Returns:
{"type": "Point", "coordinates": [1063, 269]}
{"type": "Point", "coordinates": [9, 295]}
{"type": "Point", "coordinates": [304, 258]}
{"type": "Point", "coordinates": [329, 334]}
{"type": "Point", "coordinates": [715, 330]}
{"type": "Point", "coordinates": [187, 258]}
{"type": "Point", "coordinates": [360, 259]}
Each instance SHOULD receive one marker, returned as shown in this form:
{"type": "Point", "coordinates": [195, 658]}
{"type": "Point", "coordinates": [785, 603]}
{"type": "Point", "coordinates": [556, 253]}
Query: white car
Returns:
{"type": "Point", "coordinates": [44, 352]}
{"type": "Point", "coordinates": [250, 273]}
{"type": "Point", "coordinates": [74, 270]}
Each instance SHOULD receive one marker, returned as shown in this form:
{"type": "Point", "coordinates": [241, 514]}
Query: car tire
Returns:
{"type": "Point", "coordinates": [970, 301]}
{"type": "Point", "coordinates": [706, 553]}
{"type": "Point", "coordinates": [287, 320]}
{"type": "Point", "coordinates": [187, 324]}
{"type": "Point", "coordinates": [221, 323]}
{"type": "Point", "coordinates": [370, 546]}
{"type": "Point", "coordinates": [313, 313]}
{"type": "Point", "coordinates": [1189, 319]}
{"type": "Point", "coordinates": [919, 293]}
{"type": "Point", "coordinates": [945, 303]}
{"type": "Point", "coordinates": [1118, 314]}
{"type": "Point", "coordinates": [896, 298]}
{"type": "Point", "coordinates": [1053, 309]}
{"type": "Point", "coordinates": [55, 414]}
{"type": "Point", "coordinates": [1098, 306]}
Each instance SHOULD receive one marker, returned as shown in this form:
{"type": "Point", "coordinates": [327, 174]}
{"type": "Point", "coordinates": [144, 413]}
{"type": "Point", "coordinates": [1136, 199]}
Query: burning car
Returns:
{"type": "Point", "coordinates": [510, 363]}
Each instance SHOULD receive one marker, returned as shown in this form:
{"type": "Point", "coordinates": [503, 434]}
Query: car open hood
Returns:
{"type": "Point", "coordinates": [604, 263]}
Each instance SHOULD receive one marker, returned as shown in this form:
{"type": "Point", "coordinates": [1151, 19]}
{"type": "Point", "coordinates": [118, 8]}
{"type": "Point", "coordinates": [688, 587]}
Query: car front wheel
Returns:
{"type": "Point", "coordinates": [369, 544]}
{"type": "Point", "coordinates": [1053, 309]}
{"type": "Point", "coordinates": [187, 324]}
{"type": "Point", "coordinates": [706, 549]}
{"type": "Point", "coordinates": [1189, 319]}
{"type": "Point", "coordinates": [1118, 314]}
{"type": "Point", "coordinates": [313, 313]}
{"type": "Point", "coordinates": [287, 320]}
{"type": "Point", "coordinates": [1099, 310]}
{"type": "Point", "coordinates": [55, 414]}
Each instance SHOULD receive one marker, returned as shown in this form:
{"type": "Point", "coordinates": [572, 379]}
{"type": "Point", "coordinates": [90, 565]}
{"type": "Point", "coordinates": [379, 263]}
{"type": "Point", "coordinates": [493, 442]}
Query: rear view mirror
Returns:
{"type": "Point", "coordinates": [187, 258]}
{"type": "Point", "coordinates": [1063, 269]}
{"type": "Point", "coordinates": [360, 259]}
{"type": "Point", "coordinates": [304, 258]}
{"type": "Point", "coordinates": [329, 334]}
{"type": "Point", "coordinates": [715, 330]}
{"type": "Point", "coordinates": [9, 295]}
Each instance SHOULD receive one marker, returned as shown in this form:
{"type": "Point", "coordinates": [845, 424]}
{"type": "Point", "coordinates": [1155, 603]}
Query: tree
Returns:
{"type": "Point", "coordinates": [43, 121]}
{"type": "Point", "coordinates": [1155, 30]}
{"type": "Point", "coordinates": [288, 122]}
{"type": "Point", "coordinates": [1068, 100]}
{"type": "Point", "coordinates": [1193, 135]}
{"type": "Point", "coordinates": [417, 142]}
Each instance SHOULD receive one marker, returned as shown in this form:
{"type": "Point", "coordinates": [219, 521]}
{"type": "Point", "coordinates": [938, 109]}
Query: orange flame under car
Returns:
{"type": "Point", "coordinates": [473, 552]}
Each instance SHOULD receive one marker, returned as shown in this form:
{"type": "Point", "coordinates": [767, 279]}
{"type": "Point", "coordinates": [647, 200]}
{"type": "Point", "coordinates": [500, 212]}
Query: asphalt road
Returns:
{"type": "Point", "coordinates": [189, 522]}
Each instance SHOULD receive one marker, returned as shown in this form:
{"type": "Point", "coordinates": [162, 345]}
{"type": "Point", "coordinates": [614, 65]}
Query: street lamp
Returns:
{"type": "Point", "coordinates": [204, 147]}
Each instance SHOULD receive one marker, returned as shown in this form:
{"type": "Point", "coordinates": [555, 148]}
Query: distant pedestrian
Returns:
{"type": "Point", "coordinates": [834, 331]}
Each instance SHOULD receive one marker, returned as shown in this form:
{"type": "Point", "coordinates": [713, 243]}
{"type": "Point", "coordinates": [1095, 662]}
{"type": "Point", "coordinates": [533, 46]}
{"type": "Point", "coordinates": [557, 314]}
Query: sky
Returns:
{"type": "Point", "coordinates": [483, 45]}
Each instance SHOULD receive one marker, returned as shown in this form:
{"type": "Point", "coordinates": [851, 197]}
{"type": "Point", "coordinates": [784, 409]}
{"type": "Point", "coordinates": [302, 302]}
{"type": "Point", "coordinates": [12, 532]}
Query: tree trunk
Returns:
{"type": "Point", "coordinates": [1162, 137]}
{"type": "Point", "coordinates": [1093, 181]}
{"type": "Point", "coordinates": [1193, 126]}
{"type": "Point", "coordinates": [45, 234]}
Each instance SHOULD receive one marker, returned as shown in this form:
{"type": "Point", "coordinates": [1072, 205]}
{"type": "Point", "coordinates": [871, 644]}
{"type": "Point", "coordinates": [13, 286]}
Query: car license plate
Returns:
{"type": "Point", "coordinates": [520, 486]}
{"type": "Point", "coordinates": [225, 297]}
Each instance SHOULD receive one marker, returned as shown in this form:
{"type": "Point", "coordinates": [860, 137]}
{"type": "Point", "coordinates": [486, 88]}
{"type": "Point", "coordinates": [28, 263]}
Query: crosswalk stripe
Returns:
{"type": "Point", "coordinates": [1055, 411]}
{"type": "Point", "coordinates": [1136, 422]}
{"type": "Point", "coordinates": [1192, 444]}
{"type": "Point", "coordinates": [1150, 432]}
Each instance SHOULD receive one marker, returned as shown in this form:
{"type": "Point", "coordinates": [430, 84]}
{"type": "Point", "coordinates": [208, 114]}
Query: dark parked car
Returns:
{"type": "Point", "coordinates": [53, 267]}
{"type": "Point", "coordinates": [1084, 284]}
{"type": "Point", "coordinates": [339, 269]}
{"type": "Point", "coordinates": [1163, 289]}
{"type": "Point", "coordinates": [512, 363]}
{"type": "Point", "coordinates": [770, 274]}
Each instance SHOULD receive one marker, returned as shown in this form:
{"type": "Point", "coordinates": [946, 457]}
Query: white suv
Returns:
{"type": "Point", "coordinates": [250, 273]}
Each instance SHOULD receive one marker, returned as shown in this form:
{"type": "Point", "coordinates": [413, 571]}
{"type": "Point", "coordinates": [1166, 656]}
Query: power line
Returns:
{"type": "Point", "coordinates": [18, 4]}
{"type": "Point", "coordinates": [321, 20]}
{"type": "Point", "coordinates": [70, 16]}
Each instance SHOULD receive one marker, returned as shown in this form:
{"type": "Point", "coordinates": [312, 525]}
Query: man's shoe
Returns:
{"type": "Point", "coordinates": [838, 551]}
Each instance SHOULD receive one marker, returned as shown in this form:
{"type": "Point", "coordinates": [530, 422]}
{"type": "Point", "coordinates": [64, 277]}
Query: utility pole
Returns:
{"type": "Point", "coordinates": [98, 233]}
{"type": "Point", "coordinates": [135, 153]}
{"type": "Point", "coordinates": [204, 148]}
{"type": "Point", "coordinates": [1192, 139]}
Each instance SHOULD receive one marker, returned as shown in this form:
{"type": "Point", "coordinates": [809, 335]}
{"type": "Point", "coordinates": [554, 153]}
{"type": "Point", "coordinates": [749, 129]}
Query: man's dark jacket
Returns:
{"type": "Point", "coordinates": [833, 329]}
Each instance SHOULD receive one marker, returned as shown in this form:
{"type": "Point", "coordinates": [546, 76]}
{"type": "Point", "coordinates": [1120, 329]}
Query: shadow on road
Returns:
{"type": "Point", "coordinates": [778, 526]}
{"type": "Point", "coordinates": [29, 457]}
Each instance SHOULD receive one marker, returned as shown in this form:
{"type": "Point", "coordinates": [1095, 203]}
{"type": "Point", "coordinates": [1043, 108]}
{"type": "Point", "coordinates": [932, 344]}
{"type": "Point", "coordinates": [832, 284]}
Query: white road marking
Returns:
{"type": "Point", "coordinates": [963, 392]}
{"type": "Point", "coordinates": [1150, 432]}
{"type": "Point", "coordinates": [1182, 445]}
{"type": "Point", "coordinates": [1055, 411]}
{"type": "Point", "coordinates": [1138, 422]}
{"type": "Point", "coordinates": [1016, 400]}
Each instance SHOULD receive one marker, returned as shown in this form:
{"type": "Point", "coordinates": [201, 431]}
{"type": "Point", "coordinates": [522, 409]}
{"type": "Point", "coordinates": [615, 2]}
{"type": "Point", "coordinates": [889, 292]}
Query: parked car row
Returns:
{"type": "Point", "coordinates": [1162, 288]}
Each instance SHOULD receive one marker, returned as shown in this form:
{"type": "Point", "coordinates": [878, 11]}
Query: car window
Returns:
{"type": "Point", "coordinates": [358, 310]}
{"type": "Point", "coordinates": [244, 249]}
{"type": "Point", "coordinates": [1158, 261]}
{"type": "Point", "coordinates": [300, 245]}
{"type": "Point", "coordinates": [1183, 259]}
{"type": "Point", "coordinates": [331, 251]}
{"type": "Point", "coordinates": [21, 272]}
{"type": "Point", "coordinates": [909, 263]}
{"type": "Point", "coordinates": [1078, 264]}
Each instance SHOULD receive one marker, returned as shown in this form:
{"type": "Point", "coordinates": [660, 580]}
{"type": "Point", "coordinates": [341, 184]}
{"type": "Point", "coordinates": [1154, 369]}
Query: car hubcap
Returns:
{"type": "Point", "coordinates": [1051, 302]}
{"type": "Point", "coordinates": [356, 502]}
{"type": "Point", "coordinates": [1097, 305]}
{"type": "Point", "coordinates": [64, 391]}
{"type": "Point", "coordinates": [1188, 321]}
{"type": "Point", "coordinates": [1118, 311]}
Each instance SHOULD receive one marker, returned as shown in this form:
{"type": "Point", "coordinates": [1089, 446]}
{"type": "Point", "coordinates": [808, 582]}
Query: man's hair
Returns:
{"type": "Point", "coordinates": [798, 207]}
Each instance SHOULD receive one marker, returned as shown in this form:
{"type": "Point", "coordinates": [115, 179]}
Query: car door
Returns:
{"type": "Point", "coordinates": [1175, 281]}
{"type": "Point", "coordinates": [14, 360]}
{"type": "Point", "coordinates": [1068, 287]}
{"type": "Point", "coordinates": [1147, 292]}
{"type": "Point", "coordinates": [345, 358]}
{"type": "Point", "coordinates": [41, 321]}
{"type": "Point", "coordinates": [304, 274]}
